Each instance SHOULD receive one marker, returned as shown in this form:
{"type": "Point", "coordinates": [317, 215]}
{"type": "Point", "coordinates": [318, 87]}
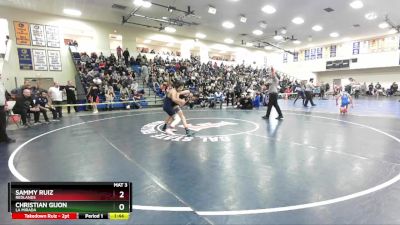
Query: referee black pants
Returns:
{"type": "Point", "coordinates": [71, 100]}
{"type": "Point", "coordinates": [58, 111]}
{"type": "Point", "coordinates": [309, 97]}
{"type": "Point", "coordinates": [273, 101]}
{"type": "Point", "coordinates": [3, 125]}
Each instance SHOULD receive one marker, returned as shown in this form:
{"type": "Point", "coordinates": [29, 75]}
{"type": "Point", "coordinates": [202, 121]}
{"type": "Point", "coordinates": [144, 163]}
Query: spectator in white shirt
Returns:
{"type": "Point", "coordinates": [55, 95]}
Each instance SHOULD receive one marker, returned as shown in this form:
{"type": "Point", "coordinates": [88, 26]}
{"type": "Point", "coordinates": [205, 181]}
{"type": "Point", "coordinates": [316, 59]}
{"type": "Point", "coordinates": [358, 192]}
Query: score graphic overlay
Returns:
{"type": "Point", "coordinates": [69, 200]}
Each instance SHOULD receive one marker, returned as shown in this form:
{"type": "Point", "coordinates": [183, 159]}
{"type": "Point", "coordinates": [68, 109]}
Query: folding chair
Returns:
{"type": "Point", "coordinates": [14, 118]}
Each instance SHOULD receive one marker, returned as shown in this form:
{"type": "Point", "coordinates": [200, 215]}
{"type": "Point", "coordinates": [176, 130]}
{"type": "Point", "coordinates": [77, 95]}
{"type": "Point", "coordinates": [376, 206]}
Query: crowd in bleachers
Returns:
{"type": "Point", "coordinates": [114, 80]}
{"type": "Point", "coordinates": [211, 84]}
{"type": "Point", "coordinates": [238, 84]}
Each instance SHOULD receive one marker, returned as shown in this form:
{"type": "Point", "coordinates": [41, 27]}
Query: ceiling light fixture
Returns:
{"type": "Point", "coordinates": [147, 41]}
{"type": "Point", "coordinates": [298, 20]}
{"type": "Point", "coordinates": [248, 44]}
{"type": "Point", "coordinates": [257, 32]}
{"type": "Point", "coordinates": [228, 41]}
{"type": "Point", "coordinates": [357, 4]}
{"type": "Point", "coordinates": [283, 31]}
{"type": "Point", "coordinates": [138, 2]}
{"type": "Point", "coordinates": [317, 28]}
{"type": "Point", "coordinates": [201, 35]}
{"type": "Point", "coordinates": [268, 47]}
{"type": "Point", "coordinates": [228, 25]}
{"type": "Point", "coordinates": [296, 42]}
{"type": "Point", "coordinates": [212, 10]}
{"type": "Point", "coordinates": [334, 34]}
{"type": "Point", "coordinates": [72, 12]}
{"type": "Point", "coordinates": [170, 44]}
{"type": "Point", "coordinates": [146, 4]}
{"type": "Point", "coordinates": [371, 16]}
{"type": "Point", "coordinates": [170, 29]}
{"type": "Point", "coordinates": [142, 3]}
{"type": "Point", "coordinates": [269, 9]}
{"type": "Point", "coordinates": [383, 25]}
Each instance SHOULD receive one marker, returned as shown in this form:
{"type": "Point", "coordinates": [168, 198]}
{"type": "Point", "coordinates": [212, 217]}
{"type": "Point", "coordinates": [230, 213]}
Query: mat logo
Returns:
{"type": "Point", "coordinates": [154, 130]}
{"type": "Point", "coordinates": [204, 126]}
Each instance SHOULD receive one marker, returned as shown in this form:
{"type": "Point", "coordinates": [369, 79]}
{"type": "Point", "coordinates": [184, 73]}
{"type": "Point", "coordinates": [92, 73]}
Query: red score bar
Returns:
{"type": "Point", "coordinates": [44, 216]}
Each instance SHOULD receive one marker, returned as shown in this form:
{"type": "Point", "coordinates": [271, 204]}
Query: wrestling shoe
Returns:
{"type": "Point", "coordinates": [189, 133]}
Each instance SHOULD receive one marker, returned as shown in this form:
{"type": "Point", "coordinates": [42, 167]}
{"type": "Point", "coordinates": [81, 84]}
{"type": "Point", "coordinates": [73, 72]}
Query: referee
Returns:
{"type": "Point", "coordinates": [273, 96]}
{"type": "Point", "coordinates": [3, 120]}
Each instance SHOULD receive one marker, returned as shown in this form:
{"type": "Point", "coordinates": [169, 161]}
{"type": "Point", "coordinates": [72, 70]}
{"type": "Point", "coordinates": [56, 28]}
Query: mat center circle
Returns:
{"type": "Point", "coordinates": [206, 129]}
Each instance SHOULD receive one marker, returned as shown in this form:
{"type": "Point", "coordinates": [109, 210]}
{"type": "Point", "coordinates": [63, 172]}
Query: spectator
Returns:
{"type": "Point", "coordinates": [322, 91]}
{"type": "Point", "coordinates": [145, 72]}
{"type": "Point", "coordinates": [18, 91]}
{"type": "Point", "coordinates": [101, 57]}
{"type": "Point", "coordinates": [93, 96]}
{"type": "Point", "coordinates": [119, 52]}
{"type": "Point", "coordinates": [55, 95]}
{"type": "Point", "coordinates": [230, 96]}
{"type": "Point", "coordinates": [126, 56]}
{"type": "Point", "coordinates": [378, 89]}
{"type": "Point", "coordinates": [37, 108]}
{"type": "Point", "coordinates": [364, 88]}
{"type": "Point", "coordinates": [125, 95]}
{"type": "Point", "coordinates": [45, 104]}
{"type": "Point", "coordinates": [23, 106]}
{"type": "Point", "coordinates": [393, 88]}
{"type": "Point", "coordinates": [110, 95]}
{"type": "Point", "coordinates": [371, 89]}
{"type": "Point", "coordinates": [71, 97]}
{"type": "Point", "coordinates": [257, 101]}
{"type": "Point", "coordinates": [245, 102]}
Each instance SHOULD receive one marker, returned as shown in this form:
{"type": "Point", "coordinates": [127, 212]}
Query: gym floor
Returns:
{"type": "Point", "coordinates": [314, 167]}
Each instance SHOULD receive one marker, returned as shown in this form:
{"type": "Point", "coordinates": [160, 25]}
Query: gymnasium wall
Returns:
{"type": "Point", "coordinates": [385, 76]}
{"type": "Point", "coordinates": [96, 32]}
{"type": "Point", "coordinates": [385, 65]}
